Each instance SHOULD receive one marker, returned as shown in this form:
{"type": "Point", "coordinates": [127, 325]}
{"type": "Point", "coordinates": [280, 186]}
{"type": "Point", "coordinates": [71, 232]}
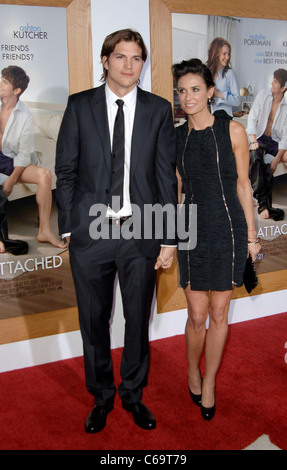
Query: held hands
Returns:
{"type": "Point", "coordinates": [165, 257]}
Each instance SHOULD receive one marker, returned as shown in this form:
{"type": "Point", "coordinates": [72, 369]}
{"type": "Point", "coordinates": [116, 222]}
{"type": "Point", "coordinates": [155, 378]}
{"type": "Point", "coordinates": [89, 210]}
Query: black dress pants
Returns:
{"type": "Point", "coordinates": [94, 271]}
{"type": "Point", "coordinates": [261, 178]}
{"type": "Point", "coordinates": [15, 247]}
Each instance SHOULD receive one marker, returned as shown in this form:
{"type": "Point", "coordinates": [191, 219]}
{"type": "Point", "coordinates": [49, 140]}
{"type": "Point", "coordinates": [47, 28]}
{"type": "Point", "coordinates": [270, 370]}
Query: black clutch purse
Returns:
{"type": "Point", "coordinates": [250, 279]}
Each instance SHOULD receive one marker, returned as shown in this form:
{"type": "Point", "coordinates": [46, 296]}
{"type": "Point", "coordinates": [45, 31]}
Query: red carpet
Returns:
{"type": "Point", "coordinates": [44, 407]}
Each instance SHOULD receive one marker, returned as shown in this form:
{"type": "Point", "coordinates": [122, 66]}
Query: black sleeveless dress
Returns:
{"type": "Point", "coordinates": [213, 256]}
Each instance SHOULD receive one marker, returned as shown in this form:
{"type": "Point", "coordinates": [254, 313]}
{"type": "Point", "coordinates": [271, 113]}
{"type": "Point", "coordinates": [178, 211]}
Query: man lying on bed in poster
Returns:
{"type": "Point", "coordinates": [267, 131]}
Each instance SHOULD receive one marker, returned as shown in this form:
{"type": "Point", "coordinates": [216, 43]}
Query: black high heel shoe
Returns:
{"type": "Point", "coordinates": [208, 413]}
{"type": "Point", "coordinates": [195, 398]}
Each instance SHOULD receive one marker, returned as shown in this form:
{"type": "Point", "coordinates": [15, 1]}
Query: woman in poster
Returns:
{"type": "Point", "coordinates": [226, 92]}
{"type": "Point", "coordinates": [213, 162]}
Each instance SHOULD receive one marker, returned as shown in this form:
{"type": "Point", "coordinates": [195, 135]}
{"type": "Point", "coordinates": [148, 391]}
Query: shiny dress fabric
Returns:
{"type": "Point", "coordinates": [207, 166]}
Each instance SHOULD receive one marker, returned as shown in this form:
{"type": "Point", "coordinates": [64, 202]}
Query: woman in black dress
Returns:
{"type": "Point", "coordinates": [212, 160]}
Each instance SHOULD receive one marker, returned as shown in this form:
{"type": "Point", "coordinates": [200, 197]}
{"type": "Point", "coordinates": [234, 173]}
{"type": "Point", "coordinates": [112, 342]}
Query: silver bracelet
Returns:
{"type": "Point", "coordinates": [254, 242]}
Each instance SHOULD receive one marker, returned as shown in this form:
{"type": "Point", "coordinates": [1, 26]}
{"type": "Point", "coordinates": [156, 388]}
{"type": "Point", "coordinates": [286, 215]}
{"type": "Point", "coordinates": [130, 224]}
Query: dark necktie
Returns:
{"type": "Point", "coordinates": [118, 156]}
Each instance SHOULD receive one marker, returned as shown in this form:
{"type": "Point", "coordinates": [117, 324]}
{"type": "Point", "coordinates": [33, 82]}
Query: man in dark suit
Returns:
{"type": "Point", "coordinates": [85, 170]}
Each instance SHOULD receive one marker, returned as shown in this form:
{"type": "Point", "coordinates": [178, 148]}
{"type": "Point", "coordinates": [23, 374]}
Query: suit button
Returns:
{"type": "Point", "coordinates": [107, 191]}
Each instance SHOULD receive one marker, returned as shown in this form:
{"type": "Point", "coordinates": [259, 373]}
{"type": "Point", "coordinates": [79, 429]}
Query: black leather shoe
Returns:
{"type": "Point", "coordinates": [208, 413]}
{"type": "Point", "coordinates": [96, 420]}
{"type": "Point", "coordinates": [143, 417]}
{"type": "Point", "coordinates": [15, 247]}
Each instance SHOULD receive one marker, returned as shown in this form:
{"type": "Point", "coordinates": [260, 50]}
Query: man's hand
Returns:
{"type": "Point", "coordinates": [66, 240]}
{"type": "Point", "coordinates": [165, 257]}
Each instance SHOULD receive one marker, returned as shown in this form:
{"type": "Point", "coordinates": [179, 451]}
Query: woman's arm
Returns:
{"type": "Point", "coordinates": [240, 148]}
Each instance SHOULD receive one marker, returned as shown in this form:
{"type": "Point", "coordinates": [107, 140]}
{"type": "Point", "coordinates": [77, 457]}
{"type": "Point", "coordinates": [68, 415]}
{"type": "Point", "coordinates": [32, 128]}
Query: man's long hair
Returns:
{"type": "Point", "coordinates": [114, 38]}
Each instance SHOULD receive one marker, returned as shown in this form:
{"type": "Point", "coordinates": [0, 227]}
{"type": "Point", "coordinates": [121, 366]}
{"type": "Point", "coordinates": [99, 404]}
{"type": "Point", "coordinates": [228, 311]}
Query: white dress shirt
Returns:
{"type": "Point", "coordinates": [18, 137]}
{"type": "Point", "coordinates": [129, 114]}
{"type": "Point", "coordinates": [258, 117]}
{"type": "Point", "coordinates": [228, 85]}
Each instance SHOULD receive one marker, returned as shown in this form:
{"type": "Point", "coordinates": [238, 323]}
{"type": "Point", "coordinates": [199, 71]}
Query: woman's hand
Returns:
{"type": "Point", "coordinates": [254, 249]}
{"type": "Point", "coordinates": [218, 94]}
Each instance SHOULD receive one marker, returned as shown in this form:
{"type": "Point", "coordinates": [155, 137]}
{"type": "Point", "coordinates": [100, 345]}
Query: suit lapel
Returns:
{"type": "Point", "coordinates": [99, 111]}
{"type": "Point", "coordinates": [138, 137]}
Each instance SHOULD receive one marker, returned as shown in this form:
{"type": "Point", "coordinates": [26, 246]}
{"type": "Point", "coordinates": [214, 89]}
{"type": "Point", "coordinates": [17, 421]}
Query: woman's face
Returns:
{"type": "Point", "coordinates": [193, 93]}
{"type": "Point", "coordinates": [224, 56]}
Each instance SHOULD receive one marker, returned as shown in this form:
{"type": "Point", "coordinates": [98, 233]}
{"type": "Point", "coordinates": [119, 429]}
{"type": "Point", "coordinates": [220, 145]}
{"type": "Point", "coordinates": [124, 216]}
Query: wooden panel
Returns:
{"type": "Point", "coordinates": [169, 296]}
{"type": "Point", "coordinates": [38, 3]}
{"type": "Point", "coordinates": [160, 57]}
{"type": "Point", "coordinates": [80, 45]}
{"type": "Point", "coordinates": [245, 8]}
{"type": "Point", "coordinates": [40, 324]}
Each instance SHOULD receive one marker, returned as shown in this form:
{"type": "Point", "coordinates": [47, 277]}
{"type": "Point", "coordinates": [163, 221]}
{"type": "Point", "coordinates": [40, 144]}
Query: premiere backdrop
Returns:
{"type": "Point", "coordinates": [35, 39]}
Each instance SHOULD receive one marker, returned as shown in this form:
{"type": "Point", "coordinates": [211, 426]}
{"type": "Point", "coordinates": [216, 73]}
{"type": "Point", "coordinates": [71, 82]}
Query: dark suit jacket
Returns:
{"type": "Point", "coordinates": [83, 162]}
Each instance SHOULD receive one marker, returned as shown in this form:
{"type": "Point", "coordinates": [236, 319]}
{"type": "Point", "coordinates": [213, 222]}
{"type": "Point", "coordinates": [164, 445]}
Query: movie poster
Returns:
{"type": "Point", "coordinates": [258, 48]}
{"type": "Point", "coordinates": [35, 39]}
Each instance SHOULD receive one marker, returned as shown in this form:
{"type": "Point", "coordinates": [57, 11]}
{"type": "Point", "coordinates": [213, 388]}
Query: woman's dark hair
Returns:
{"type": "Point", "coordinates": [194, 66]}
{"type": "Point", "coordinates": [16, 76]}
{"type": "Point", "coordinates": [113, 39]}
{"type": "Point", "coordinates": [214, 53]}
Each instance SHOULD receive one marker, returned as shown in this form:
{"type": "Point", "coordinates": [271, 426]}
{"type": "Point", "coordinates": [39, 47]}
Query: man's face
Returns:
{"type": "Point", "coordinates": [124, 67]}
{"type": "Point", "coordinates": [276, 87]}
{"type": "Point", "coordinates": [6, 89]}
